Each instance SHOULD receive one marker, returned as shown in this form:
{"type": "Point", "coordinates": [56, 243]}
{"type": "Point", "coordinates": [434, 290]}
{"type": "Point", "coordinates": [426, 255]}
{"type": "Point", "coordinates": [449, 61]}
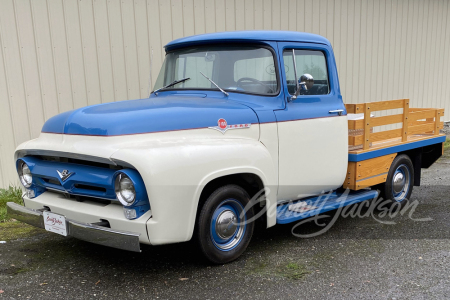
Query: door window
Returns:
{"type": "Point", "coordinates": [310, 62]}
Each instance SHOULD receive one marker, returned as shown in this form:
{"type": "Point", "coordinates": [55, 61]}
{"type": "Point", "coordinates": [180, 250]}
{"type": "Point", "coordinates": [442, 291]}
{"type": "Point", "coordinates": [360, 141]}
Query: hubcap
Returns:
{"type": "Point", "coordinates": [228, 225]}
{"type": "Point", "coordinates": [401, 183]}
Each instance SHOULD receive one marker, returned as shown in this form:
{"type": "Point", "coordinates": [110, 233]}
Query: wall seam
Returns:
{"type": "Point", "coordinates": [36, 47]}
{"type": "Point", "coordinates": [58, 98]}
{"type": "Point", "coordinates": [124, 48]}
{"type": "Point", "coordinates": [111, 50]}
{"type": "Point", "coordinates": [83, 53]}
{"type": "Point", "coordinates": [137, 48]}
{"type": "Point", "coordinates": [22, 69]}
{"type": "Point", "coordinates": [68, 55]}
{"type": "Point", "coordinates": [96, 53]}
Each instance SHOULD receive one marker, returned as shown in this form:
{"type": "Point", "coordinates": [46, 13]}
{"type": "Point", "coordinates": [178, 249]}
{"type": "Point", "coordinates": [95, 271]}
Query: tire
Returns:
{"type": "Point", "coordinates": [223, 244]}
{"type": "Point", "coordinates": [399, 182]}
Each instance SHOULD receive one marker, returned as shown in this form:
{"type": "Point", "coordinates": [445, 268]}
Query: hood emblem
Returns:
{"type": "Point", "coordinates": [223, 126]}
{"type": "Point", "coordinates": [64, 174]}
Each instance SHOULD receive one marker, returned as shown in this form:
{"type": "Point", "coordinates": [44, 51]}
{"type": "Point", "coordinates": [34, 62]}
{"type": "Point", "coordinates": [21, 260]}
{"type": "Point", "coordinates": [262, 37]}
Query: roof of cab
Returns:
{"type": "Point", "coordinates": [250, 35]}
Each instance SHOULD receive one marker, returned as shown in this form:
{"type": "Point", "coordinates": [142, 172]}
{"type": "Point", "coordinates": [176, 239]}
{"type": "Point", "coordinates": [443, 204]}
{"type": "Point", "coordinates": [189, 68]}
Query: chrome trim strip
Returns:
{"type": "Point", "coordinates": [92, 197]}
{"type": "Point", "coordinates": [371, 177]}
{"type": "Point", "coordinates": [22, 153]}
{"type": "Point", "coordinates": [66, 193]}
{"type": "Point", "coordinates": [124, 240]}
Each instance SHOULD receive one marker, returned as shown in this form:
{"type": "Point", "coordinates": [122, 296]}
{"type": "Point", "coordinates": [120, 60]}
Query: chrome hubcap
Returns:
{"type": "Point", "coordinates": [226, 224]}
{"type": "Point", "coordinates": [401, 183]}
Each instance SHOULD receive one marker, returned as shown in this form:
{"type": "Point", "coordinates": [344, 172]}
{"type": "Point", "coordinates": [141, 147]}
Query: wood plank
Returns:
{"type": "Point", "coordinates": [405, 121]}
{"type": "Point", "coordinates": [383, 105]}
{"type": "Point", "coordinates": [393, 142]}
{"type": "Point", "coordinates": [376, 121]}
{"type": "Point", "coordinates": [384, 135]}
{"type": "Point", "coordinates": [374, 166]}
{"type": "Point", "coordinates": [422, 129]}
{"type": "Point", "coordinates": [350, 178]}
{"type": "Point", "coordinates": [370, 182]}
{"type": "Point", "coordinates": [419, 115]}
{"type": "Point", "coordinates": [355, 140]}
{"type": "Point", "coordinates": [366, 126]}
{"type": "Point", "coordinates": [437, 119]}
{"type": "Point", "coordinates": [355, 108]}
{"type": "Point", "coordinates": [419, 109]}
{"type": "Point", "coordinates": [386, 120]}
{"type": "Point", "coordinates": [355, 124]}
{"type": "Point", "coordinates": [414, 123]}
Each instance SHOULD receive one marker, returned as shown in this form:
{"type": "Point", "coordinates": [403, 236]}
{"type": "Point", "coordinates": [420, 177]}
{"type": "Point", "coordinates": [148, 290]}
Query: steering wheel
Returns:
{"type": "Point", "coordinates": [240, 80]}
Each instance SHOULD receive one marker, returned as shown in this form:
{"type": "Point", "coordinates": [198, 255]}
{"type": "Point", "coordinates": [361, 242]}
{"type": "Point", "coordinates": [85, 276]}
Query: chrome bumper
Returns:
{"type": "Point", "coordinates": [84, 231]}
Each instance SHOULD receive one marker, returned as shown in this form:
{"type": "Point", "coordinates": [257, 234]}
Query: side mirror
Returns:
{"type": "Point", "coordinates": [305, 83]}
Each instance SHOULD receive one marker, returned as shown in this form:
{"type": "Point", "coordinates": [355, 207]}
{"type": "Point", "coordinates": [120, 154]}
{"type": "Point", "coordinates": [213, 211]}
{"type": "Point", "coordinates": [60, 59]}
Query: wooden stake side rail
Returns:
{"type": "Point", "coordinates": [416, 122]}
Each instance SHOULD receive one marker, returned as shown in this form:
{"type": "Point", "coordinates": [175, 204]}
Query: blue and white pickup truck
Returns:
{"type": "Point", "coordinates": [239, 126]}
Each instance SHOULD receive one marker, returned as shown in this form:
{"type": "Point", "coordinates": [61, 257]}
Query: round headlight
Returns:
{"type": "Point", "coordinates": [125, 191]}
{"type": "Point", "coordinates": [25, 175]}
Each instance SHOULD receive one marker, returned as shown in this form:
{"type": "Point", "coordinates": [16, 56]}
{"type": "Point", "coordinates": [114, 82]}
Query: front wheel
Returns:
{"type": "Point", "coordinates": [399, 182]}
{"type": "Point", "coordinates": [224, 226]}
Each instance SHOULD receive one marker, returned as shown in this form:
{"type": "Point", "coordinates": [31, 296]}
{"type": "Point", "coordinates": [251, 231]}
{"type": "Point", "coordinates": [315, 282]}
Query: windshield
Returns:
{"type": "Point", "coordinates": [234, 69]}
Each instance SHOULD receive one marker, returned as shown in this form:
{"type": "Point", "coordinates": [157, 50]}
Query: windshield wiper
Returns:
{"type": "Point", "coordinates": [171, 84]}
{"type": "Point", "coordinates": [215, 84]}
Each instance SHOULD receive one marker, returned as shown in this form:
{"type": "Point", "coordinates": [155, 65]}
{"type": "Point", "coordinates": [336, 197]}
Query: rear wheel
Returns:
{"type": "Point", "coordinates": [223, 230]}
{"type": "Point", "coordinates": [400, 181]}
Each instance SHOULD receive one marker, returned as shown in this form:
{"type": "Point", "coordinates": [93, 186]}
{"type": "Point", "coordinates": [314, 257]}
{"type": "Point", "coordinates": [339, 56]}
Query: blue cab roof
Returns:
{"type": "Point", "coordinates": [249, 35]}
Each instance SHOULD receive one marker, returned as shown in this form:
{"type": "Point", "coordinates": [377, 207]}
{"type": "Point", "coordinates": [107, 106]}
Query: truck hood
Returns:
{"type": "Point", "coordinates": [155, 114]}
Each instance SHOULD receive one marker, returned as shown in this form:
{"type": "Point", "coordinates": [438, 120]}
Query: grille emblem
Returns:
{"type": "Point", "coordinates": [64, 174]}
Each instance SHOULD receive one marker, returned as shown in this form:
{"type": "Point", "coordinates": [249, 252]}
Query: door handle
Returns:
{"type": "Point", "coordinates": [338, 111]}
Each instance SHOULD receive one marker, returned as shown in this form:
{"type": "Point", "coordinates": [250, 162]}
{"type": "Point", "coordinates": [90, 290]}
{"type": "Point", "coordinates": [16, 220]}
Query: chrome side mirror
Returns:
{"type": "Point", "coordinates": [307, 81]}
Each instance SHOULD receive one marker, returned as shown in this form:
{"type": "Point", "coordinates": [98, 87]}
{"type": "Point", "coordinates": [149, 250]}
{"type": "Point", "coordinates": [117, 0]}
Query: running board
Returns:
{"type": "Point", "coordinates": [302, 209]}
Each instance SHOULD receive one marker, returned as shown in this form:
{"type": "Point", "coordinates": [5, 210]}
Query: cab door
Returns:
{"type": "Point", "coordinates": [312, 129]}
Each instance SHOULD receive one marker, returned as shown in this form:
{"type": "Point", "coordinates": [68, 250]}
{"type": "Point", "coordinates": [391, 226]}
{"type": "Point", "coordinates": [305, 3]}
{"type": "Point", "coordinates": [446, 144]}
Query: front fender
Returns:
{"type": "Point", "coordinates": [176, 171]}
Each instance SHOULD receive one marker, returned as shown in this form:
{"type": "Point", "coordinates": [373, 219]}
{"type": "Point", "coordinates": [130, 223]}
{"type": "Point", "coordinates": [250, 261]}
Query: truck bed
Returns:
{"type": "Point", "coordinates": [372, 149]}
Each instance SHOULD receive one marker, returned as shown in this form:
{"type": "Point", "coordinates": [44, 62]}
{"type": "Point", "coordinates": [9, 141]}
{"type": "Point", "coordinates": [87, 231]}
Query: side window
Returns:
{"type": "Point", "coordinates": [310, 62]}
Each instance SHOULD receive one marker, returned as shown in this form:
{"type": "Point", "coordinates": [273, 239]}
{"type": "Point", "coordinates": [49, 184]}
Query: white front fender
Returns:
{"type": "Point", "coordinates": [176, 171]}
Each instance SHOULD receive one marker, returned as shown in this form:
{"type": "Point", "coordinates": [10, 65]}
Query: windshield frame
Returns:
{"type": "Point", "coordinates": [234, 44]}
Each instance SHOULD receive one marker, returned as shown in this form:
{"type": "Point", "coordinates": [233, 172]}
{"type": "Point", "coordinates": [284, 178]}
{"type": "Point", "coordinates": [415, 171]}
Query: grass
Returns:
{"type": "Point", "coordinates": [447, 145]}
{"type": "Point", "coordinates": [16, 230]}
{"type": "Point", "coordinates": [292, 270]}
{"type": "Point", "coordinates": [12, 194]}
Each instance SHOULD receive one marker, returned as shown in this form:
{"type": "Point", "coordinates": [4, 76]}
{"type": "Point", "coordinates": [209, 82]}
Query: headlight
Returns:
{"type": "Point", "coordinates": [25, 175]}
{"type": "Point", "coordinates": [125, 191]}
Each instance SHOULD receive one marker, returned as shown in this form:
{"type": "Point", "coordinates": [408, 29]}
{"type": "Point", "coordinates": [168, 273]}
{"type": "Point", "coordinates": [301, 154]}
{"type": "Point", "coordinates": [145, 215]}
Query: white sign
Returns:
{"type": "Point", "coordinates": [55, 223]}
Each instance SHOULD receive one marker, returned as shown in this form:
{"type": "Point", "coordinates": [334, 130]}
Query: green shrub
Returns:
{"type": "Point", "coordinates": [12, 194]}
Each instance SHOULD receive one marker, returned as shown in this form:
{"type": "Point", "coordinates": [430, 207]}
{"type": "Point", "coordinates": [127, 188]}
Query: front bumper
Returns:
{"type": "Point", "coordinates": [84, 231]}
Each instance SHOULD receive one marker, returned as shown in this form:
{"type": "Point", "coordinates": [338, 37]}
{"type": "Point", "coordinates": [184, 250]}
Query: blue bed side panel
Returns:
{"type": "Point", "coordinates": [395, 149]}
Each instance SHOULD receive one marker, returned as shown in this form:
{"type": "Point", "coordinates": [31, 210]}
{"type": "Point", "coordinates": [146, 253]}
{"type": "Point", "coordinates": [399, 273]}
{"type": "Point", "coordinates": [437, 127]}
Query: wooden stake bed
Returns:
{"type": "Point", "coordinates": [417, 124]}
{"type": "Point", "coordinates": [370, 148]}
